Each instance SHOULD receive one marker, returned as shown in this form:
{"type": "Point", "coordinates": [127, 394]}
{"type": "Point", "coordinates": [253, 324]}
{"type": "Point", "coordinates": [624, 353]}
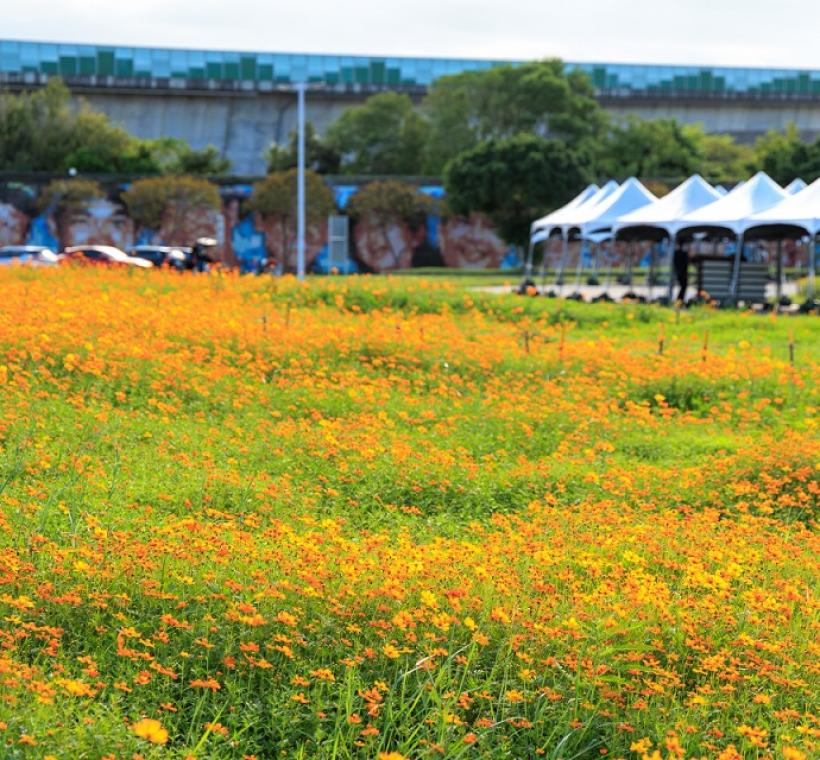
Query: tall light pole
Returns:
{"type": "Point", "coordinates": [300, 182]}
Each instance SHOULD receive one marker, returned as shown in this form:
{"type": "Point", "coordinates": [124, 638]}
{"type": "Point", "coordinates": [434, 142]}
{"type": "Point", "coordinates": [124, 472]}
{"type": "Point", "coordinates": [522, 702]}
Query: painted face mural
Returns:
{"type": "Point", "coordinates": [253, 243]}
{"type": "Point", "coordinates": [182, 225]}
{"type": "Point", "coordinates": [280, 243]}
{"type": "Point", "coordinates": [470, 243]}
{"type": "Point", "coordinates": [14, 225]}
{"type": "Point", "coordinates": [386, 247]}
{"type": "Point", "coordinates": [100, 222]}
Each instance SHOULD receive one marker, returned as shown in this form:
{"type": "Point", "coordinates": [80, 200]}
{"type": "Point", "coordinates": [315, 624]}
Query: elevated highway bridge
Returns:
{"type": "Point", "coordinates": [242, 101]}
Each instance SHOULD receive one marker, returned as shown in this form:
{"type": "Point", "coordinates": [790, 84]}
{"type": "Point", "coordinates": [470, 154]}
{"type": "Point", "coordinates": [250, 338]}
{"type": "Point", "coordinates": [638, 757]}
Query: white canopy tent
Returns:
{"type": "Point", "coordinates": [796, 215]}
{"type": "Point", "coordinates": [665, 214]}
{"type": "Point", "coordinates": [730, 214]}
{"type": "Point", "coordinates": [553, 218]}
{"type": "Point", "coordinates": [661, 219]}
{"type": "Point", "coordinates": [795, 186]}
{"type": "Point", "coordinates": [559, 220]}
{"type": "Point", "coordinates": [564, 217]}
{"type": "Point", "coordinates": [630, 196]}
{"type": "Point", "coordinates": [799, 210]}
{"type": "Point", "coordinates": [593, 222]}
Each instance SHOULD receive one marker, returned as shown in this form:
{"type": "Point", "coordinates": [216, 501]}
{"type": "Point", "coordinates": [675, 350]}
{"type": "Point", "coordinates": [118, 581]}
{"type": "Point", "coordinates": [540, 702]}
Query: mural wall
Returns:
{"type": "Point", "coordinates": [253, 243]}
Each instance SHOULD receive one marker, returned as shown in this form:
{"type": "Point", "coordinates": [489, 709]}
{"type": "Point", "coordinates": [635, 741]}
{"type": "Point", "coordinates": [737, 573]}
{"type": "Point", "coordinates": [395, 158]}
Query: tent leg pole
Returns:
{"type": "Point", "coordinates": [528, 263]}
{"type": "Point", "coordinates": [670, 291]}
{"type": "Point", "coordinates": [779, 264]}
{"type": "Point", "coordinates": [544, 250]}
{"type": "Point", "coordinates": [651, 277]}
{"type": "Point", "coordinates": [736, 270]}
{"type": "Point", "coordinates": [811, 265]}
{"type": "Point", "coordinates": [596, 262]}
{"type": "Point", "coordinates": [579, 268]}
{"type": "Point", "coordinates": [559, 281]}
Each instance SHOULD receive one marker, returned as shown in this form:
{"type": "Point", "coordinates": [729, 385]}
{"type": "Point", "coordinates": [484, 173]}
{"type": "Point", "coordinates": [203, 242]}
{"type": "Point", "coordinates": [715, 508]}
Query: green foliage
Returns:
{"type": "Point", "coordinates": [784, 156]}
{"type": "Point", "coordinates": [275, 197]}
{"type": "Point", "coordinates": [383, 136]}
{"type": "Point", "coordinates": [388, 200]}
{"type": "Point", "coordinates": [208, 162]}
{"type": "Point", "coordinates": [660, 148]}
{"type": "Point", "coordinates": [62, 195]}
{"type": "Point", "coordinates": [722, 159]}
{"type": "Point", "coordinates": [147, 199]}
{"type": "Point", "coordinates": [36, 129]}
{"type": "Point", "coordinates": [319, 157]}
{"type": "Point", "coordinates": [42, 131]}
{"type": "Point", "coordinates": [514, 180]}
{"type": "Point", "coordinates": [504, 101]}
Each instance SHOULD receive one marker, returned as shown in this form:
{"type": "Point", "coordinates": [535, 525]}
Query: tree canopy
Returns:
{"type": "Point", "coordinates": [43, 131]}
{"type": "Point", "coordinates": [538, 98]}
{"type": "Point", "coordinates": [149, 199]}
{"type": "Point", "coordinates": [388, 200]}
{"type": "Point", "coordinates": [319, 156]}
{"type": "Point", "coordinates": [61, 195]}
{"type": "Point", "coordinates": [660, 148]}
{"type": "Point", "coordinates": [784, 155]}
{"type": "Point", "coordinates": [514, 180]}
{"type": "Point", "coordinates": [384, 136]}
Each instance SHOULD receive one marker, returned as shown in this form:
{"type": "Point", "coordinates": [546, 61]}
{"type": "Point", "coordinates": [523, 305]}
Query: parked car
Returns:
{"type": "Point", "coordinates": [103, 255]}
{"type": "Point", "coordinates": [33, 255]}
{"type": "Point", "coordinates": [162, 255]}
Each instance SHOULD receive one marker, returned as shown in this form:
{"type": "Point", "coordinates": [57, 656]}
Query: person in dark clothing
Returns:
{"type": "Point", "coordinates": [681, 264]}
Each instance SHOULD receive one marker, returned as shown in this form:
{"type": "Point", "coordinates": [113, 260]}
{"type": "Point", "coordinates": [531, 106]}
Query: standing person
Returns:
{"type": "Point", "coordinates": [681, 263]}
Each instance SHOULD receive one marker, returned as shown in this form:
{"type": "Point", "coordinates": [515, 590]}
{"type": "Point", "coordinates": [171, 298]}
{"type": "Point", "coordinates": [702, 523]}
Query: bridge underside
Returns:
{"type": "Point", "coordinates": [244, 118]}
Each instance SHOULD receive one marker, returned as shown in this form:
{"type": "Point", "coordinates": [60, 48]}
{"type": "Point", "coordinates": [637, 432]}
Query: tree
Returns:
{"type": "Point", "coordinates": [36, 129]}
{"type": "Point", "coordinates": [390, 199]}
{"type": "Point", "coordinates": [65, 195]}
{"type": "Point", "coordinates": [722, 159]}
{"type": "Point", "coordinates": [390, 219]}
{"type": "Point", "coordinates": [150, 200]}
{"type": "Point", "coordinates": [43, 131]}
{"type": "Point", "coordinates": [208, 162]}
{"type": "Point", "coordinates": [784, 156]}
{"type": "Point", "coordinates": [658, 148]}
{"type": "Point", "coordinates": [274, 200]}
{"type": "Point", "coordinates": [538, 98]}
{"type": "Point", "coordinates": [383, 136]}
{"type": "Point", "coordinates": [515, 180]}
{"type": "Point", "coordinates": [319, 157]}
{"type": "Point", "coordinates": [100, 147]}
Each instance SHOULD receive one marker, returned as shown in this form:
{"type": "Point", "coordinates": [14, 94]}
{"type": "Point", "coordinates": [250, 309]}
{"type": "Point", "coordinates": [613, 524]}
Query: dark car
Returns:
{"type": "Point", "coordinates": [163, 255]}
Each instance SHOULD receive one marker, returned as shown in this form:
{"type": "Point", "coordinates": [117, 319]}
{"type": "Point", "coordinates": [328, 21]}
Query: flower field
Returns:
{"type": "Point", "coordinates": [392, 518]}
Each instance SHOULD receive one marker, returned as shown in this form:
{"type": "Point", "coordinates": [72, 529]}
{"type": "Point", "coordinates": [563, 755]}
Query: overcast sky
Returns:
{"type": "Point", "coordinates": [779, 33]}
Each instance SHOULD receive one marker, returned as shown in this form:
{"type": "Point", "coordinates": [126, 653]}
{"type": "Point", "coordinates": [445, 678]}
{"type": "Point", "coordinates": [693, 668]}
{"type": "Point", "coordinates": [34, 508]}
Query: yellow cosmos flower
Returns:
{"type": "Point", "coordinates": [150, 729]}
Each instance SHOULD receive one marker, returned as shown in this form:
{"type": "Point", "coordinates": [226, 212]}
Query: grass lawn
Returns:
{"type": "Point", "coordinates": [394, 517]}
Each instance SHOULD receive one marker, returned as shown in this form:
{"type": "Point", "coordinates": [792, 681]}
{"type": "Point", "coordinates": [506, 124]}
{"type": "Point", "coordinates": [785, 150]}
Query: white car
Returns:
{"type": "Point", "coordinates": [103, 255]}
{"type": "Point", "coordinates": [32, 255]}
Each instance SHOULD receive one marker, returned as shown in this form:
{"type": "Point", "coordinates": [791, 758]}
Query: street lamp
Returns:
{"type": "Point", "coordinates": [300, 182]}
